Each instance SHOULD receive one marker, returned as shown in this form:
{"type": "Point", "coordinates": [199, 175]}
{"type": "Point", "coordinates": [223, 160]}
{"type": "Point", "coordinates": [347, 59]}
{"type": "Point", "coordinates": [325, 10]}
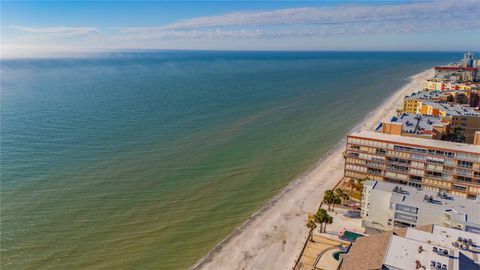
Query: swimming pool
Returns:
{"type": "Point", "coordinates": [337, 254]}
{"type": "Point", "coordinates": [350, 236]}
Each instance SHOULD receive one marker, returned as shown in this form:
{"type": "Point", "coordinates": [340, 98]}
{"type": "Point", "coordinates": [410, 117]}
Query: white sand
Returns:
{"type": "Point", "coordinates": [259, 242]}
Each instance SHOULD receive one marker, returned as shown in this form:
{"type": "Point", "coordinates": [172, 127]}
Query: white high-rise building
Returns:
{"type": "Point", "coordinates": [386, 206]}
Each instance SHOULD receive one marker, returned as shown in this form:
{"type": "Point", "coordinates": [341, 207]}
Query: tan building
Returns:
{"type": "Point", "coordinates": [468, 125]}
{"type": "Point", "coordinates": [430, 164]}
{"type": "Point", "coordinates": [416, 125]}
{"type": "Point", "coordinates": [463, 119]}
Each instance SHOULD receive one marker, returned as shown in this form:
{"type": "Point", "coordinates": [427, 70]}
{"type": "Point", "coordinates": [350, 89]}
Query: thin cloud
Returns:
{"type": "Point", "coordinates": [346, 14]}
{"type": "Point", "coordinates": [325, 21]}
{"type": "Point", "coordinates": [58, 31]}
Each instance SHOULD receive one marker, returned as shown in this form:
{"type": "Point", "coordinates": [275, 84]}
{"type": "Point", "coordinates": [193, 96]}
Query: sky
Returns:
{"type": "Point", "coordinates": [40, 28]}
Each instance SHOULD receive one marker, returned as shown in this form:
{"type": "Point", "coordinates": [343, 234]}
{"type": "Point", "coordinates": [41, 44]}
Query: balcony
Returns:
{"type": "Point", "coordinates": [443, 177]}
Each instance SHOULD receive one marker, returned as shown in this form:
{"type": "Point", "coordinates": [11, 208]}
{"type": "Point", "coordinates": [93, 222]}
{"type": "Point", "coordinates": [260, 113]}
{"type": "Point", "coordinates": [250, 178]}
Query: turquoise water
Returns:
{"type": "Point", "coordinates": [337, 254]}
{"type": "Point", "coordinates": [351, 236]}
{"type": "Point", "coordinates": [147, 160]}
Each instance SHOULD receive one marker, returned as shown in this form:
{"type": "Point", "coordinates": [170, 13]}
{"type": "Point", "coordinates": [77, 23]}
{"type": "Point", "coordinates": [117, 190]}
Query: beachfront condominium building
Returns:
{"type": "Point", "coordinates": [386, 206]}
{"type": "Point", "coordinates": [430, 164]}
{"type": "Point", "coordinates": [415, 125]}
{"type": "Point", "coordinates": [429, 247]}
{"type": "Point", "coordinates": [462, 119]}
{"type": "Point", "coordinates": [440, 106]}
{"type": "Point", "coordinates": [466, 98]}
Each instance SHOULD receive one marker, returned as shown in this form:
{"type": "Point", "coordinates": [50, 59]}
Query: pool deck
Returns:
{"type": "Point", "coordinates": [325, 244]}
{"type": "Point", "coordinates": [319, 254]}
{"type": "Point", "coordinates": [341, 223]}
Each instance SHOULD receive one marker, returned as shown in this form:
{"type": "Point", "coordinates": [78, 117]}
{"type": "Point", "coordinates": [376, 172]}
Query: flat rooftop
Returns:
{"type": "Point", "coordinates": [442, 236]}
{"type": "Point", "coordinates": [425, 95]}
{"type": "Point", "coordinates": [432, 98]}
{"type": "Point", "coordinates": [418, 142]}
{"type": "Point", "coordinates": [403, 253]}
{"type": "Point", "coordinates": [417, 123]}
{"type": "Point", "coordinates": [460, 208]}
{"type": "Point", "coordinates": [452, 109]}
{"type": "Point", "coordinates": [412, 248]}
{"type": "Point", "coordinates": [428, 247]}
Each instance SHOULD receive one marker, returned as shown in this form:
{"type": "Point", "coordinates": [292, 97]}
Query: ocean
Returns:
{"type": "Point", "coordinates": [146, 160]}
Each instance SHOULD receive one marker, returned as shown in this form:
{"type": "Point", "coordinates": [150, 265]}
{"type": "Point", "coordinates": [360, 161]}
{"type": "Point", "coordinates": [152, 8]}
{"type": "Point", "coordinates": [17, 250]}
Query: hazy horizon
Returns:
{"type": "Point", "coordinates": [53, 29]}
{"type": "Point", "coordinates": [112, 53]}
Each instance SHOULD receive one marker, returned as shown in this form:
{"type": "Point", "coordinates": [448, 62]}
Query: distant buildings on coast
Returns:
{"type": "Point", "coordinates": [420, 173]}
{"type": "Point", "coordinates": [451, 96]}
{"type": "Point", "coordinates": [432, 143]}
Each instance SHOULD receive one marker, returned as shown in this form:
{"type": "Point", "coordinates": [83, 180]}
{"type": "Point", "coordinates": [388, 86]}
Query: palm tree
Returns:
{"type": "Point", "coordinates": [359, 185]}
{"type": "Point", "coordinates": [311, 225]}
{"type": "Point", "coordinates": [342, 195]}
{"type": "Point", "coordinates": [328, 221]}
{"type": "Point", "coordinates": [323, 218]}
{"type": "Point", "coordinates": [329, 198]}
{"type": "Point", "coordinates": [336, 200]}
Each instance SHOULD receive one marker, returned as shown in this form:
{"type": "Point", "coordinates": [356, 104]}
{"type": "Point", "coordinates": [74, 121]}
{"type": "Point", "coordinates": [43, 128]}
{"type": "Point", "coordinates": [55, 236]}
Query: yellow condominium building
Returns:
{"type": "Point", "coordinates": [464, 118]}
{"type": "Point", "coordinates": [416, 105]}
{"type": "Point", "coordinates": [413, 103]}
{"type": "Point", "coordinates": [446, 86]}
{"type": "Point", "coordinates": [430, 164]}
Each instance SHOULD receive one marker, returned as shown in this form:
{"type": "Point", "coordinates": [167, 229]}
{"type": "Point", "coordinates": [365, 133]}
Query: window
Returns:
{"type": "Point", "coordinates": [464, 164]}
{"type": "Point", "coordinates": [374, 171]}
{"type": "Point", "coordinates": [434, 174]}
{"type": "Point", "coordinates": [464, 179]}
{"type": "Point", "coordinates": [405, 217]}
{"type": "Point", "coordinates": [415, 178]}
{"type": "Point", "coordinates": [409, 149]}
{"type": "Point", "coordinates": [394, 167]}
{"type": "Point", "coordinates": [406, 208]}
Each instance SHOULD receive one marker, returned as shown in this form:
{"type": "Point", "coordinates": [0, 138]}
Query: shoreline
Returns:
{"type": "Point", "coordinates": [273, 236]}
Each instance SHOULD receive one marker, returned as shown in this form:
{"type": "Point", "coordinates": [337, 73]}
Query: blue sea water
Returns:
{"type": "Point", "coordinates": [146, 160]}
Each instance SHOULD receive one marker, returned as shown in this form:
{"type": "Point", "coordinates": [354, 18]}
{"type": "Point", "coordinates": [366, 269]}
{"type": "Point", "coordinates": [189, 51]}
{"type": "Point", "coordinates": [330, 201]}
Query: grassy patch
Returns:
{"type": "Point", "coordinates": [356, 195]}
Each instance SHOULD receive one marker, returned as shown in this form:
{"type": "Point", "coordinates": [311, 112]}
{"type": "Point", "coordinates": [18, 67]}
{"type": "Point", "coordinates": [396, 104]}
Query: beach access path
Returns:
{"type": "Point", "coordinates": [274, 236]}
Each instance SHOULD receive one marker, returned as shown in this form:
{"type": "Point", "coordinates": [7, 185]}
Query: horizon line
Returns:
{"type": "Point", "coordinates": [87, 54]}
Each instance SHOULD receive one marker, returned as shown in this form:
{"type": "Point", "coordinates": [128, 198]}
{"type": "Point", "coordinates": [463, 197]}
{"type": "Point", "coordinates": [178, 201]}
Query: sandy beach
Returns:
{"type": "Point", "coordinates": [273, 237]}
